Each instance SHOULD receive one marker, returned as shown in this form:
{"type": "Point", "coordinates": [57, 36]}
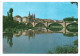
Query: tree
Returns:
{"type": "Point", "coordinates": [10, 14]}
{"type": "Point", "coordinates": [10, 11]}
{"type": "Point", "coordinates": [7, 14]}
{"type": "Point", "coordinates": [29, 26]}
{"type": "Point", "coordinates": [68, 19]}
{"type": "Point", "coordinates": [74, 3]}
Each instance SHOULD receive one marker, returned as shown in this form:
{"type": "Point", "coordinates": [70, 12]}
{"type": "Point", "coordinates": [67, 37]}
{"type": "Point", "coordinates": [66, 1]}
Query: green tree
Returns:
{"type": "Point", "coordinates": [11, 11]}
{"type": "Point", "coordinates": [10, 14]}
{"type": "Point", "coordinates": [7, 14]}
{"type": "Point", "coordinates": [74, 3]}
{"type": "Point", "coordinates": [29, 26]}
{"type": "Point", "coordinates": [68, 19]}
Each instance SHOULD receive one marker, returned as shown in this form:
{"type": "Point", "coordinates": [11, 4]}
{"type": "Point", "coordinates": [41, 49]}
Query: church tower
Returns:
{"type": "Point", "coordinates": [34, 15]}
{"type": "Point", "coordinates": [29, 14]}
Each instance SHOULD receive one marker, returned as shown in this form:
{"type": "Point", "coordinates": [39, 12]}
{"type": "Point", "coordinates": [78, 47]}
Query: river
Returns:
{"type": "Point", "coordinates": [38, 42]}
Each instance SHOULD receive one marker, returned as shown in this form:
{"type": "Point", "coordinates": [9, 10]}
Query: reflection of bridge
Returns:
{"type": "Point", "coordinates": [28, 33]}
{"type": "Point", "coordinates": [31, 33]}
{"type": "Point", "coordinates": [64, 30]}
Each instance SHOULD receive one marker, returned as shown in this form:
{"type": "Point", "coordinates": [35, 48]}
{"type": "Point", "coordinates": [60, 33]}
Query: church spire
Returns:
{"type": "Point", "coordinates": [29, 13]}
{"type": "Point", "coordinates": [34, 15]}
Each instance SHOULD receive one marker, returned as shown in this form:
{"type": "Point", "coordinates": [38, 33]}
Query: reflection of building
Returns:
{"type": "Point", "coordinates": [29, 33]}
{"type": "Point", "coordinates": [25, 33]}
{"type": "Point", "coordinates": [17, 33]}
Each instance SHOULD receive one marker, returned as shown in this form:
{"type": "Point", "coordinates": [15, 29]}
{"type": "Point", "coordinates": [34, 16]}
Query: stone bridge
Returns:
{"type": "Point", "coordinates": [64, 24]}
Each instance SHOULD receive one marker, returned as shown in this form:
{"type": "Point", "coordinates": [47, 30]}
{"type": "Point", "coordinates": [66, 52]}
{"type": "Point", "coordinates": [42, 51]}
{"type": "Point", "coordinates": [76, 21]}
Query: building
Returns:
{"type": "Point", "coordinates": [61, 20]}
{"type": "Point", "coordinates": [55, 20]}
{"type": "Point", "coordinates": [31, 18]}
{"type": "Point", "coordinates": [25, 19]}
{"type": "Point", "coordinates": [17, 18]}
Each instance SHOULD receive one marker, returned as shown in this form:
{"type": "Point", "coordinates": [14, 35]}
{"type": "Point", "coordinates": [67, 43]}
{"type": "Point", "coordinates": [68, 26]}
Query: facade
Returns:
{"type": "Point", "coordinates": [31, 18]}
{"type": "Point", "coordinates": [60, 20]}
{"type": "Point", "coordinates": [55, 20]}
{"type": "Point", "coordinates": [17, 18]}
{"type": "Point", "coordinates": [25, 19]}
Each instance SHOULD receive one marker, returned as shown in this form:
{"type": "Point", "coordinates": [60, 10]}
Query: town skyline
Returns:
{"type": "Point", "coordinates": [44, 12]}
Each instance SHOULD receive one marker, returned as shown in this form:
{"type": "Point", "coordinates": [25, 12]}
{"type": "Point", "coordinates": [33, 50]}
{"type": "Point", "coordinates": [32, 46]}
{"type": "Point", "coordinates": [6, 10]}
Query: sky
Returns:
{"type": "Point", "coordinates": [42, 10]}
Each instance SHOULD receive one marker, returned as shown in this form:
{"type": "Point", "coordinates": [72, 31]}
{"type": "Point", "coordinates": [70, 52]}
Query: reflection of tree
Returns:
{"type": "Point", "coordinates": [70, 34]}
{"type": "Point", "coordinates": [9, 37]}
{"type": "Point", "coordinates": [31, 34]}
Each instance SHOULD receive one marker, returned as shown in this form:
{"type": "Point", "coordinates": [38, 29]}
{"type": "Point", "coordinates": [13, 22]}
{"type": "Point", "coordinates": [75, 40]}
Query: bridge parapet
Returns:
{"type": "Point", "coordinates": [64, 24]}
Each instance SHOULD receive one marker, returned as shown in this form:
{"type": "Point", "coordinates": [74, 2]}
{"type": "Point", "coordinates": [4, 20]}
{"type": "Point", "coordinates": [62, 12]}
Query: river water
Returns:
{"type": "Point", "coordinates": [38, 42]}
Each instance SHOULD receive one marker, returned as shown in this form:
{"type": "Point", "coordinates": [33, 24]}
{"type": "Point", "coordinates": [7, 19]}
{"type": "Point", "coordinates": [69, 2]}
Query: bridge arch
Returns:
{"type": "Point", "coordinates": [67, 23]}
{"type": "Point", "coordinates": [73, 27]}
{"type": "Point", "coordinates": [55, 27]}
{"type": "Point", "coordinates": [29, 25]}
{"type": "Point", "coordinates": [39, 24]}
{"type": "Point", "coordinates": [55, 24]}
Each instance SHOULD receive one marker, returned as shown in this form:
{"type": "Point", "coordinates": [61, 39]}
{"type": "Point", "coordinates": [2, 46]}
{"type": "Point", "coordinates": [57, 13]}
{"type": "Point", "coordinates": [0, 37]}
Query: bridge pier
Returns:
{"type": "Point", "coordinates": [46, 24]}
{"type": "Point", "coordinates": [64, 24]}
{"type": "Point", "coordinates": [33, 24]}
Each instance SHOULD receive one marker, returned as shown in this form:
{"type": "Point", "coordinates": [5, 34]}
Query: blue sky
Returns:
{"type": "Point", "coordinates": [43, 10]}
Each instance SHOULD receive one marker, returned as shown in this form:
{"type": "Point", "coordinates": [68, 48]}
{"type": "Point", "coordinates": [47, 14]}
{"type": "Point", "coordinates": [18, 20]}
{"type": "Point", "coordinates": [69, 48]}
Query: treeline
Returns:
{"type": "Point", "coordinates": [70, 19]}
{"type": "Point", "coordinates": [9, 24]}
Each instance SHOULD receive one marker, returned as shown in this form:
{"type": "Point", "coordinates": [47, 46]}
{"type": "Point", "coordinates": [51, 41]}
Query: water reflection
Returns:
{"type": "Point", "coordinates": [72, 34]}
{"type": "Point", "coordinates": [31, 34]}
{"type": "Point", "coordinates": [17, 33]}
{"type": "Point", "coordinates": [9, 37]}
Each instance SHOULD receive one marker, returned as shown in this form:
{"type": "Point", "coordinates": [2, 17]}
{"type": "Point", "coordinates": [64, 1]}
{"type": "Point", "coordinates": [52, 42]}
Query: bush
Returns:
{"type": "Point", "coordinates": [66, 50]}
{"type": "Point", "coordinates": [76, 42]}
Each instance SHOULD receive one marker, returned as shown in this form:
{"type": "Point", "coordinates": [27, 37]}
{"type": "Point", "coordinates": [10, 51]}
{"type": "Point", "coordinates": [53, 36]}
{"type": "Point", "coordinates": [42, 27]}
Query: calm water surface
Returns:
{"type": "Point", "coordinates": [30, 41]}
